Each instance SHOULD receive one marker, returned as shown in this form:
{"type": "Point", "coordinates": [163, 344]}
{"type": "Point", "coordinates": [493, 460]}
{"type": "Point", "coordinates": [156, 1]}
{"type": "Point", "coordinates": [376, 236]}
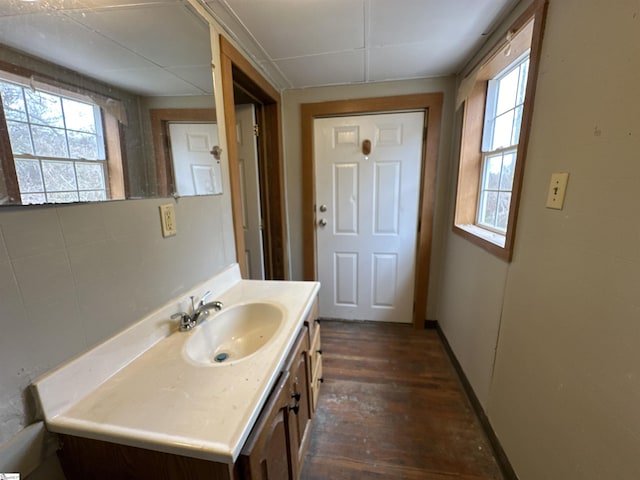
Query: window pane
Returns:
{"type": "Point", "coordinates": [502, 217]}
{"type": "Point", "coordinates": [30, 198]}
{"type": "Point", "coordinates": [517, 121]}
{"type": "Point", "coordinates": [13, 102]}
{"type": "Point", "coordinates": [508, 168]}
{"type": "Point", "coordinates": [63, 197]}
{"type": "Point", "coordinates": [29, 175]}
{"type": "Point", "coordinates": [79, 116]}
{"type": "Point", "coordinates": [507, 90]}
{"type": "Point", "coordinates": [90, 176]}
{"type": "Point", "coordinates": [502, 130]}
{"type": "Point", "coordinates": [59, 176]}
{"type": "Point", "coordinates": [489, 207]}
{"type": "Point", "coordinates": [49, 142]}
{"type": "Point", "coordinates": [492, 169]}
{"type": "Point", "coordinates": [44, 109]}
{"type": "Point", "coordinates": [522, 86]}
{"type": "Point", "coordinates": [20, 138]}
{"type": "Point", "coordinates": [93, 195]}
{"type": "Point", "coordinates": [82, 145]}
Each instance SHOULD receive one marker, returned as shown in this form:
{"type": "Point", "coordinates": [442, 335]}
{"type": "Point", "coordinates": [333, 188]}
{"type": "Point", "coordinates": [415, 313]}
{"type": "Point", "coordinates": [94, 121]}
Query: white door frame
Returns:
{"type": "Point", "coordinates": [431, 104]}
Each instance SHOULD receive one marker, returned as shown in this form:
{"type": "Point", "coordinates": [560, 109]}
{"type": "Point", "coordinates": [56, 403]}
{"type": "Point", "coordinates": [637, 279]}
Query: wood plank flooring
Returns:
{"type": "Point", "coordinates": [392, 407]}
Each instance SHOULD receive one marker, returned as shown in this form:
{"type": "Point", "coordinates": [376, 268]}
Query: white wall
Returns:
{"type": "Point", "coordinates": [564, 393]}
{"type": "Point", "coordinates": [292, 99]}
{"type": "Point", "coordinates": [73, 275]}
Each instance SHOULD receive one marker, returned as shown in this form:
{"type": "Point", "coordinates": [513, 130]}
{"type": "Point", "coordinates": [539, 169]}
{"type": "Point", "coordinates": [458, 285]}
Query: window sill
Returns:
{"type": "Point", "coordinates": [493, 237]}
{"type": "Point", "coordinates": [492, 242]}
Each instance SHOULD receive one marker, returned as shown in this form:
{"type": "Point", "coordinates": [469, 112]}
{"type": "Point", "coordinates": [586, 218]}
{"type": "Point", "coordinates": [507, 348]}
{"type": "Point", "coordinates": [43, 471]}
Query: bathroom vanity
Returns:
{"type": "Point", "coordinates": [156, 403]}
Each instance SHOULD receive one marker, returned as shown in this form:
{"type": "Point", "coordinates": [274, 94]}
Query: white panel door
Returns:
{"type": "Point", "coordinates": [250, 191]}
{"type": "Point", "coordinates": [195, 169]}
{"type": "Point", "coordinates": [367, 214]}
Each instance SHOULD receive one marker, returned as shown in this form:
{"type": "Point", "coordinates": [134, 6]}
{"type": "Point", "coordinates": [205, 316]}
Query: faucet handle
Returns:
{"type": "Point", "coordinates": [185, 320]}
{"type": "Point", "coordinates": [204, 297]}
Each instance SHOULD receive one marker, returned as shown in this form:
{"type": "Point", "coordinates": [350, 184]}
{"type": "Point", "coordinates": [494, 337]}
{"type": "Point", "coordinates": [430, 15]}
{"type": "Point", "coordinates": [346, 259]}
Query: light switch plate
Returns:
{"type": "Point", "coordinates": [557, 190]}
{"type": "Point", "coordinates": [168, 220]}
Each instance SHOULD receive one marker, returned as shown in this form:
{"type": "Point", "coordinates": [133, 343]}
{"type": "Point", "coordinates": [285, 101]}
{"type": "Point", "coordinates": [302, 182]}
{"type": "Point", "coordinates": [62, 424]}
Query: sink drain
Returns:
{"type": "Point", "coordinates": [221, 357]}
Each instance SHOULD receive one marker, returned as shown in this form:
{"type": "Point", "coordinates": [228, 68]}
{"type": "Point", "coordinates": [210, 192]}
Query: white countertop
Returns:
{"type": "Point", "coordinates": [138, 389]}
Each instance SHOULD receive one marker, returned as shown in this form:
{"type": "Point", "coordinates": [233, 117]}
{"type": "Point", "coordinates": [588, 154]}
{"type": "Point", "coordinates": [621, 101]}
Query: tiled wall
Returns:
{"type": "Point", "coordinates": [71, 276]}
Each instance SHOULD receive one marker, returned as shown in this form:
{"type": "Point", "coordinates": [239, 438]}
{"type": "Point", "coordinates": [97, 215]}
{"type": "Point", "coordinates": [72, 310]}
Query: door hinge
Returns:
{"type": "Point", "coordinates": [256, 130]}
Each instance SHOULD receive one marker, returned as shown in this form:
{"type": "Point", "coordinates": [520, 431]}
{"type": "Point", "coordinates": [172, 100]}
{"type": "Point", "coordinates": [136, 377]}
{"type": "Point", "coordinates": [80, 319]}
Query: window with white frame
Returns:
{"type": "Point", "coordinates": [501, 133]}
{"type": "Point", "coordinates": [57, 142]}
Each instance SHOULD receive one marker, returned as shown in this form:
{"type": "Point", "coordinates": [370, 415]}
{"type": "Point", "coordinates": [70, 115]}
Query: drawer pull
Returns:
{"type": "Point", "coordinates": [321, 380]}
{"type": "Point", "coordinates": [295, 408]}
{"type": "Point", "coordinates": [319, 351]}
{"type": "Point", "coordinates": [296, 396]}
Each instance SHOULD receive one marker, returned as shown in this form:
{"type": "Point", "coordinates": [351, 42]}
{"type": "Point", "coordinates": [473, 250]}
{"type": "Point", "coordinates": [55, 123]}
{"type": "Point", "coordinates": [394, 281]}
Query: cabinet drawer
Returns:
{"type": "Point", "coordinates": [315, 352]}
{"type": "Point", "coordinates": [315, 384]}
{"type": "Point", "coordinates": [311, 321]}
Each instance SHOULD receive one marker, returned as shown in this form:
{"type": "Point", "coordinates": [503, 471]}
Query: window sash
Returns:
{"type": "Point", "coordinates": [40, 181]}
{"type": "Point", "coordinates": [494, 194]}
{"type": "Point", "coordinates": [68, 162]}
{"type": "Point", "coordinates": [496, 119]}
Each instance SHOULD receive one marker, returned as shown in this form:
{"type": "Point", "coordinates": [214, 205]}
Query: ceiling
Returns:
{"type": "Point", "coordinates": [161, 47]}
{"type": "Point", "coordinates": [307, 43]}
{"type": "Point", "coordinates": [149, 47]}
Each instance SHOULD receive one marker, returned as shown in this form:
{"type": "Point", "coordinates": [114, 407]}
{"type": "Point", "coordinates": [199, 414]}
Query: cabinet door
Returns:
{"type": "Point", "coordinates": [299, 382]}
{"type": "Point", "coordinates": [270, 451]}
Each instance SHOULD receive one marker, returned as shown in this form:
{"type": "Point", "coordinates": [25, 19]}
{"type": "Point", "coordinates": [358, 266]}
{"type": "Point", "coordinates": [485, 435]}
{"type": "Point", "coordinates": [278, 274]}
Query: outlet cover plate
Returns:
{"type": "Point", "coordinates": [168, 220]}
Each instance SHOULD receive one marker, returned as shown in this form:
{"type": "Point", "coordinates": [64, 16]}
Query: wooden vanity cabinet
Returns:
{"type": "Point", "coordinates": [278, 442]}
{"type": "Point", "coordinates": [274, 450]}
{"type": "Point", "coordinates": [270, 449]}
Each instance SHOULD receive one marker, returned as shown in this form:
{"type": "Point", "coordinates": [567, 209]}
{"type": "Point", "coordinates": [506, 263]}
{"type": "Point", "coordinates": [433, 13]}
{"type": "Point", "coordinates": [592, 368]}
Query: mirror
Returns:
{"type": "Point", "coordinates": [79, 85]}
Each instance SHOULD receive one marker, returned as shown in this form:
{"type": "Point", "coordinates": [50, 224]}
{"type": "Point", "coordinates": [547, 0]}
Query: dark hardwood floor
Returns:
{"type": "Point", "coordinates": [392, 407]}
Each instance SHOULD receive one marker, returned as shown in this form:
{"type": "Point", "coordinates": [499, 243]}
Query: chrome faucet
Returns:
{"type": "Point", "coordinates": [199, 313]}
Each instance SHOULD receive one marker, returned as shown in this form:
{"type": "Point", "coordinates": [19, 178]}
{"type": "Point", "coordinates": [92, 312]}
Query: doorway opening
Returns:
{"type": "Point", "coordinates": [242, 83]}
{"type": "Point", "coordinates": [431, 105]}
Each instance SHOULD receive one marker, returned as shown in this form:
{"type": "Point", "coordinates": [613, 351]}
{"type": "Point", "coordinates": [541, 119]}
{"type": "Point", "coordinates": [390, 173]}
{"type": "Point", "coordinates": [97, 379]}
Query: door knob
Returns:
{"type": "Point", "coordinates": [322, 222]}
{"type": "Point", "coordinates": [323, 208]}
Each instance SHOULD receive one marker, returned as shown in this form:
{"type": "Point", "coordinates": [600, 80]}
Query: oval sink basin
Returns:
{"type": "Point", "coordinates": [233, 334]}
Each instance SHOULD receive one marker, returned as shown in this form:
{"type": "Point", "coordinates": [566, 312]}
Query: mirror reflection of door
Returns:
{"type": "Point", "coordinates": [196, 170]}
{"type": "Point", "coordinates": [250, 191]}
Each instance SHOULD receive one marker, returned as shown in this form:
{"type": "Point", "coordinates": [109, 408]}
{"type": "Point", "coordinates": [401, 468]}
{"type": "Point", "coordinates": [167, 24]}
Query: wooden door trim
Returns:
{"type": "Point", "coordinates": [431, 104]}
{"type": "Point", "coordinates": [160, 117]}
{"type": "Point", "coordinates": [234, 67]}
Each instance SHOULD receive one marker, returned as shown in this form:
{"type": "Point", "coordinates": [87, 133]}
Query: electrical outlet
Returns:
{"type": "Point", "coordinates": [168, 220]}
{"type": "Point", "coordinates": [557, 190]}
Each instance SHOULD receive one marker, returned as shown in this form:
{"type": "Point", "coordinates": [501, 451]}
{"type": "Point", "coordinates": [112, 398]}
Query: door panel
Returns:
{"type": "Point", "coordinates": [250, 191]}
{"type": "Point", "coordinates": [345, 194]}
{"type": "Point", "coordinates": [195, 169]}
{"type": "Point", "coordinates": [383, 280]}
{"type": "Point", "coordinates": [367, 212]}
{"type": "Point", "coordinates": [386, 198]}
{"type": "Point", "coordinates": [346, 278]}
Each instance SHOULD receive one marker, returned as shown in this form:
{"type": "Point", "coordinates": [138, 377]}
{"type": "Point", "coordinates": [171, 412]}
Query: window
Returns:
{"type": "Point", "coordinates": [498, 97]}
{"type": "Point", "coordinates": [58, 143]}
{"type": "Point", "coordinates": [505, 99]}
